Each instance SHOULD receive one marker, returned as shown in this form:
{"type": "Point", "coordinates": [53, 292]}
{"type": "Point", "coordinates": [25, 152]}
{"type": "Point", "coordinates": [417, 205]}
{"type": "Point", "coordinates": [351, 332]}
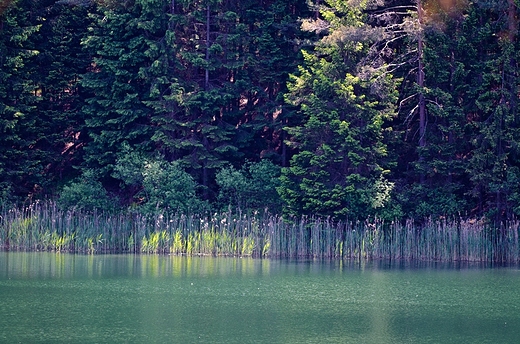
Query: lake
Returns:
{"type": "Point", "coordinates": [62, 298]}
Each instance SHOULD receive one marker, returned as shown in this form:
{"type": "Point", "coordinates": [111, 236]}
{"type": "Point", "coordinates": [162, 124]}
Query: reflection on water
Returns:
{"type": "Point", "coordinates": [46, 265]}
{"type": "Point", "coordinates": [46, 297]}
{"type": "Point", "coordinates": [49, 265]}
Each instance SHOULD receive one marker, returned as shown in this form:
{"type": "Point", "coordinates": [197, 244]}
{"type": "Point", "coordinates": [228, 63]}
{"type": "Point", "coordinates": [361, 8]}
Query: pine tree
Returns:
{"type": "Point", "coordinates": [338, 170]}
{"type": "Point", "coordinates": [60, 63]}
{"type": "Point", "coordinates": [231, 69]}
{"type": "Point", "coordinates": [125, 43]}
{"type": "Point", "coordinates": [494, 167]}
{"type": "Point", "coordinates": [422, 43]}
{"type": "Point", "coordinates": [20, 163]}
{"type": "Point", "coordinates": [435, 180]}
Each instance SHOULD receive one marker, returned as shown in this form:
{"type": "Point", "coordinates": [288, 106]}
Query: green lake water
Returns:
{"type": "Point", "coordinates": [61, 298]}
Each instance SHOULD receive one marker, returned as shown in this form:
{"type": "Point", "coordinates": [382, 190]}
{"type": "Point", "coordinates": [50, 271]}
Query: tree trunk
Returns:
{"type": "Point", "coordinates": [420, 81]}
{"type": "Point", "coordinates": [511, 20]}
{"type": "Point", "coordinates": [206, 76]}
{"type": "Point", "coordinates": [420, 84]}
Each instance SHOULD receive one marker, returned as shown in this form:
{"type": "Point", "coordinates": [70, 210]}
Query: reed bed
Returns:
{"type": "Point", "coordinates": [45, 227]}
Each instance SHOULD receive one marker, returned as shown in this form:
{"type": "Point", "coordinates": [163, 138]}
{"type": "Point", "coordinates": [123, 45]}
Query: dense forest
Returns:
{"type": "Point", "coordinates": [343, 109]}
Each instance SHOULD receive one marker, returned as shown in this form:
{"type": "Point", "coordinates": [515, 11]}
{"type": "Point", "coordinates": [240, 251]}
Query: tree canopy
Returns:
{"type": "Point", "coordinates": [335, 108]}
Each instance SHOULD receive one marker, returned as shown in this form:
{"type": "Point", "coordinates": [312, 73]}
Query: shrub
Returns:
{"type": "Point", "coordinates": [167, 187]}
{"type": "Point", "coordinates": [87, 194]}
{"type": "Point", "coordinates": [252, 187]}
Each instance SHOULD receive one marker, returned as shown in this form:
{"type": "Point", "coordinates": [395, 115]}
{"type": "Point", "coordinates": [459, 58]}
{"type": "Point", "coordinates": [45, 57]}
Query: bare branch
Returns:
{"type": "Point", "coordinates": [411, 111]}
{"type": "Point", "coordinates": [387, 9]}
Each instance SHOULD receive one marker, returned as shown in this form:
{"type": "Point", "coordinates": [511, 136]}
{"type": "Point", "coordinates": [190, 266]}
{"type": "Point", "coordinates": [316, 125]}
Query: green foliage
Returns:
{"type": "Point", "coordinates": [124, 50]}
{"type": "Point", "coordinates": [252, 187]}
{"type": "Point", "coordinates": [155, 185]}
{"type": "Point", "coordinates": [6, 194]}
{"type": "Point", "coordinates": [86, 194]}
{"type": "Point", "coordinates": [435, 180]}
{"type": "Point", "coordinates": [337, 170]}
{"type": "Point", "coordinates": [423, 202]}
{"type": "Point", "coordinates": [40, 63]}
{"type": "Point", "coordinates": [21, 166]}
{"type": "Point", "coordinates": [60, 62]}
{"type": "Point", "coordinates": [233, 187]}
{"type": "Point", "coordinates": [167, 187]}
{"type": "Point", "coordinates": [233, 112]}
{"type": "Point", "coordinates": [129, 166]}
{"type": "Point", "coordinates": [152, 102]}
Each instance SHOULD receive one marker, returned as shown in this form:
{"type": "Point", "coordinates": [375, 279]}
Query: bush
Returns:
{"type": "Point", "coordinates": [252, 187]}
{"type": "Point", "coordinates": [86, 194]}
{"type": "Point", "coordinates": [167, 187]}
{"type": "Point", "coordinates": [156, 185]}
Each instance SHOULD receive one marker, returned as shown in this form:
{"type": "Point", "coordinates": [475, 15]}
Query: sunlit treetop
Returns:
{"type": "Point", "coordinates": [437, 12]}
{"type": "Point", "coordinates": [4, 4]}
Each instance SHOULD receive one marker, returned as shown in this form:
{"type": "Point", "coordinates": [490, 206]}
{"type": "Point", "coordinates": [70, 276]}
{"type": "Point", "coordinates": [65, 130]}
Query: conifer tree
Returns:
{"type": "Point", "coordinates": [435, 180]}
{"type": "Point", "coordinates": [60, 63]}
{"type": "Point", "coordinates": [420, 45]}
{"type": "Point", "coordinates": [20, 164]}
{"type": "Point", "coordinates": [338, 170]}
{"type": "Point", "coordinates": [125, 43]}
{"type": "Point", "coordinates": [198, 81]}
{"type": "Point", "coordinates": [231, 71]}
{"type": "Point", "coordinates": [494, 166]}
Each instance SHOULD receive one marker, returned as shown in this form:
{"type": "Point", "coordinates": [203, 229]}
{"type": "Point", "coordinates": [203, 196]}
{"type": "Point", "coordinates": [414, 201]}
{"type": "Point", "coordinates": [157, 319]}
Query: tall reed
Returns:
{"type": "Point", "coordinates": [43, 226]}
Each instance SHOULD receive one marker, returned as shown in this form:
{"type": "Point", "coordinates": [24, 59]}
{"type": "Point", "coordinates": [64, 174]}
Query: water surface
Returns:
{"type": "Point", "coordinates": [61, 298]}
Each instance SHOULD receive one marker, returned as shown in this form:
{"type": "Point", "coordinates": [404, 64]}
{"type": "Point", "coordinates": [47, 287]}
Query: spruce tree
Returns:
{"type": "Point", "coordinates": [125, 44]}
{"type": "Point", "coordinates": [20, 164]}
{"type": "Point", "coordinates": [338, 168]}
{"type": "Point", "coordinates": [494, 166]}
{"type": "Point", "coordinates": [231, 70]}
{"type": "Point", "coordinates": [434, 181]}
{"type": "Point", "coordinates": [60, 63]}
